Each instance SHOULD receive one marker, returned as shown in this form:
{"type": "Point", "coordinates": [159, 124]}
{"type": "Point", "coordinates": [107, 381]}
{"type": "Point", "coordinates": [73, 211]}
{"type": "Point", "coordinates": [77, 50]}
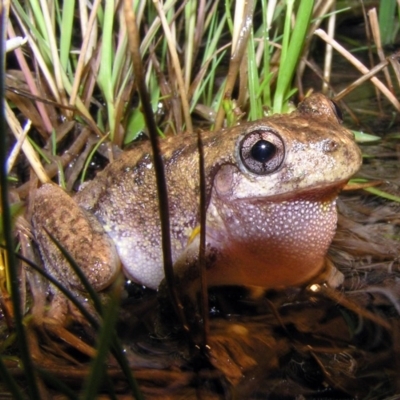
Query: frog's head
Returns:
{"type": "Point", "coordinates": [276, 203]}
{"type": "Point", "coordinates": [285, 155]}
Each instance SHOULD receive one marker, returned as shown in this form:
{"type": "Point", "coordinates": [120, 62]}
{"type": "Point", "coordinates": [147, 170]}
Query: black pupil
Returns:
{"type": "Point", "coordinates": [263, 151]}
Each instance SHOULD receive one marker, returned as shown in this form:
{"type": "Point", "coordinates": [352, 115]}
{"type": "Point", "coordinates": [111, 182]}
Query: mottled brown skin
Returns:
{"type": "Point", "coordinates": [269, 227]}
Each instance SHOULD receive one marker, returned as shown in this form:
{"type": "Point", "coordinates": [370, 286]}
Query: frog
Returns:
{"type": "Point", "coordinates": [270, 186]}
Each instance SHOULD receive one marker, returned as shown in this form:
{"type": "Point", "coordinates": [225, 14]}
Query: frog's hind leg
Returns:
{"type": "Point", "coordinates": [80, 234]}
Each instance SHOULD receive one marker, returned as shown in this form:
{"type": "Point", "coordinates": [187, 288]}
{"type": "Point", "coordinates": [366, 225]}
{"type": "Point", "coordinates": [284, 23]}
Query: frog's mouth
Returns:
{"type": "Point", "coordinates": [320, 193]}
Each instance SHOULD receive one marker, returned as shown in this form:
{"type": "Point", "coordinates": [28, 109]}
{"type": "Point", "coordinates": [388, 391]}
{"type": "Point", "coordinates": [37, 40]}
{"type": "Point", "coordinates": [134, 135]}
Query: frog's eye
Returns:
{"type": "Point", "coordinates": [262, 152]}
{"type": "Point", "coordinates": [337, 110]}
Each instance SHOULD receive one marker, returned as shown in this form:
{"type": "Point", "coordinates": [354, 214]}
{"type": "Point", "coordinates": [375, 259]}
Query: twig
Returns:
{"type": "Point", "coordinates": [359, 65]}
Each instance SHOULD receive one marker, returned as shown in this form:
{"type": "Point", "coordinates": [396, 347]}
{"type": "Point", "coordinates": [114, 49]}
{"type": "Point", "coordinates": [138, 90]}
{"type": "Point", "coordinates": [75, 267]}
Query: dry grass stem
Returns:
{"type": "Point", "coordinates": [361, 79]}
{"type": "Point", "coordinates": [86, 26]}
{"type": "Point", "coordinates": [40, 61]}
{"type": "Point", "coordinates": [83, 55]}
{"type": "Point", "coordinates": [341, 299]}
{"type": "Point", "coordinates": [394, 61]}
{"type": "Point", "coordinates": [17, 148]}
{"type": "Point", "coordinates": [30, 80]}
{"type": "Point", "coordinates": [177, 68]}
{"type": "Point", "coordinates": [359, 65]}
{"type": "Point", "coordinates": [373, 21]}
{"type": "Point", "coordinates": [329, 53]}
{"type": "Point", "coordinates": [15, 43]}
{"type": "Point", "coordinates": [189, 49]}
{"type": "Point", "coordinates": [236, 60]}
{"type": "Point", "coordinates": [54, 52]}
{"type": "Point", "coordinates": [240, 16]}
{"type": "Point", "coordinates": [27, 148]}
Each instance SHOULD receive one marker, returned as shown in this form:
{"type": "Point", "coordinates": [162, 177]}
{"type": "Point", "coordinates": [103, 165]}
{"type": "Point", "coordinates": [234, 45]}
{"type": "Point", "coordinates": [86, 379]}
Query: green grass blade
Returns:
{"type": "Point", "coordinates": [383, 194]}
{"type": "Point", "coordinates": [106, 62]}
{"type": "Point", "coordinates": [39, 19]}
{"type": "Point", "coordinates": [362, 137]}
{"type": "Point", "coordinates": [287, 30]}
{"type": "Point", "coordinates": [34, 31]}
{"type": "Point", "coordinates": [266, 74]}
{"type": "Point", "coordinates": [68, 8]}
{"type": "Point", "coordinates": [82, 277]}
{"type": "Point", "coordinates": [376, 191]}
{"type": "Point", "coordinates": [253, 80]}
{"type": "Point", "coordinates": [387, 20]}
{"type": "Point", "coordinates": [57, 383]}
{"type": "Point", "coordinates": [104, 340]}
{"type": "Point", "coordinates": [290, 58]}
{"type": "Point", "coordinates": [117, 349]}
{"type": "Point", "coordinates": [9, 381]}
{"type": "Point", "coordinates": [118, 353]}
{"type": "Point", "coordinates": [62, 289]}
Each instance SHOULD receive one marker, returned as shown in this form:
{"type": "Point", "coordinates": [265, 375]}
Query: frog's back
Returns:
{"type": "Point", "coordinates": [124, 199]}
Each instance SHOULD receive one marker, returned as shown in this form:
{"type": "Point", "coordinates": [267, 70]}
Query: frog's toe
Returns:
{"type": "Point", "coordinates": [330, 275]}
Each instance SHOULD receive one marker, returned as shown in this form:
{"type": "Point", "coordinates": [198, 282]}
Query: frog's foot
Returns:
{"type": "Point", "coordinates": [63, 312]}
{"type": "Point", "coordinates": [330, 275]}
{"type": "Point", "coordinates": [54, 327]}
{"type": "Point", "coordinates": [68, 339]}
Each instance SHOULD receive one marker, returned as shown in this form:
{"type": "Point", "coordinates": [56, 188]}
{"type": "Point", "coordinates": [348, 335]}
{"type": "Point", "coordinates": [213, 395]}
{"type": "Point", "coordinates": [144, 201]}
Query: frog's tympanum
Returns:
{"type": "Point", "coordinates": [271, 188]}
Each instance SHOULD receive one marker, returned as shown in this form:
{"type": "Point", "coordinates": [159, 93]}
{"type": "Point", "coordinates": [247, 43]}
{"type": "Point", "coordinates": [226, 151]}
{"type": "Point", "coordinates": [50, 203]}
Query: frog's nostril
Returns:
{"type": "Point", "coordinates": [329, 146]}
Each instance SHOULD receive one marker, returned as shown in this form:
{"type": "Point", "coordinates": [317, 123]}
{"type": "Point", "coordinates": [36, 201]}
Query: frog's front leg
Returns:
{"type": "Point", "coordinates": [54, 211]}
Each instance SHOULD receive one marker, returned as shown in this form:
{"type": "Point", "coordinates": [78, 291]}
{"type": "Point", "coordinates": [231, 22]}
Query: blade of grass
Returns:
{"type": "Point", "coordinates": [190, 24]}
{"type": "Point", "coordinates": [67, 14]}
{"type": "Point", "coordinates": [117, 349]}
{"type": "Point", "coordinates": [83, 53]}
{"type": "Point", "coordinates": [10, 382]}
{"type": "Point", "coordinates": [210, 52]}
{"type": "Point", "coordinates": [39, 30]}
{"type": "Point", "coordinates": [268, 8]}
{"type": "Point", "coordinates": [360, 66]}
{"type": "Point", "coordinates": [82, 277]}
{"type": "Point", "coordinates": [387, 20]}
{"type": "Point", "coordinates": [178, 70]}
{"type": "Point", "coordinates": [253, 81]}
{"type": "Point", "coordinates": [47, 125]}
{"type": "Point", "coordinates": [103, 343]}
{"type": "Point", "coordinates": [157, 160]}
{"type": "Point", "coordinates": [105, 71]}
{"type": "Point", "coordinates": [86, 27]}
{"type": "Point", "coordinates": [291, 51]}
{"type": "Point", "coordinates": [204, 304]}
{"type": "Point", "coordinates": [329, 53]}
{"type": "Point", "coordinates": [41, 51]}
{"type": "Point", "coordinates": [235, 61]}
{"type": "Point", "coordinates": [55, 59]}
{"type": "Point", "coordinates": [57, 383]}
{"type": "Point", "coordinates": [26, 146]}
{"type": "Point", "coordinates": [205, 89]}
{"type": "Point", "coordinates": [8, 237]}
{"type": "Point", "coordinates": [376, 191]}
{"type": "Point", "coordinates": [70, 296]}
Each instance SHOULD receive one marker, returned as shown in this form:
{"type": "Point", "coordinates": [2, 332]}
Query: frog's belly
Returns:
{"type": "Point", "coordinates": [142, 257]}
